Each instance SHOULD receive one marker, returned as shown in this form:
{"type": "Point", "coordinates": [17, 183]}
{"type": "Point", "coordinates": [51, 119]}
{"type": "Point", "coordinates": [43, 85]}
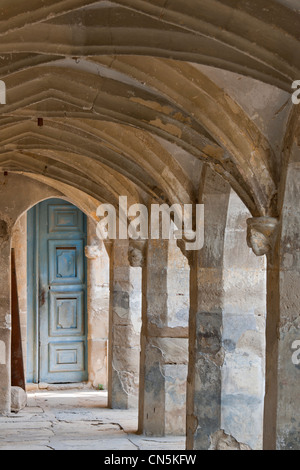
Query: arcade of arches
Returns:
{"type": "Point", "coordinates": [182, 103]}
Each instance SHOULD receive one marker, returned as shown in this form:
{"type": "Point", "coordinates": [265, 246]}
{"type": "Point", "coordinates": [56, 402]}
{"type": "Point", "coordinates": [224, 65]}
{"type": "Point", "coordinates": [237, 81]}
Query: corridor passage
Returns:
{"type": "Point", "coordinates": [76, 419]}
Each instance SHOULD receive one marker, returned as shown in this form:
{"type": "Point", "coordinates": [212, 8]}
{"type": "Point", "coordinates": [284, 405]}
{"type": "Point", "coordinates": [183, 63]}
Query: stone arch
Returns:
{"type": "Point", "coordinates": [13, 204]}
{"type": "Point", "coordinates": [97, 277]}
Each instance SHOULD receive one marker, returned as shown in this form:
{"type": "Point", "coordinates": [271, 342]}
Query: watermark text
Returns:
{"type": "Point", "coordinates": [296, 94]}
{"type": "Point", "coordinates": [182, 222]}
{"type": "Point", "coordinates": [2, 92]}
{"type": "Point", "coordinates": [296, 355]}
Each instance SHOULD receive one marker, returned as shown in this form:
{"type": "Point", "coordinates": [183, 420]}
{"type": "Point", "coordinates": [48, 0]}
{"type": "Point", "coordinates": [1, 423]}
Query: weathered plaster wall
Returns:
{"type": "Point", "coordinates": [244, 313]}
{"type": "Point", "coordinates": [267, 106]}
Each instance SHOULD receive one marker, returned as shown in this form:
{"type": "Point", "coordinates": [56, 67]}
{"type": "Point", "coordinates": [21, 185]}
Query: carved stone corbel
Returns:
{"type": "Point", "coordinates": [261, 234]}
{"type": "Point", "coordinates": [137, 253]}
{"type": "Point", "coordinates": [94, 250]}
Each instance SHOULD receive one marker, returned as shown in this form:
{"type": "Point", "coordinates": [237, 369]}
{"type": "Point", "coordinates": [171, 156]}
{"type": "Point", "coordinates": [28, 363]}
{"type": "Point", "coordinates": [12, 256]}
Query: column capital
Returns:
{"type": "Point", "coordinates": [94, 250]}
{"type": "Point", "coordinates": [261, 234]}
{"type": "Point", "coordinates": [137, 253]}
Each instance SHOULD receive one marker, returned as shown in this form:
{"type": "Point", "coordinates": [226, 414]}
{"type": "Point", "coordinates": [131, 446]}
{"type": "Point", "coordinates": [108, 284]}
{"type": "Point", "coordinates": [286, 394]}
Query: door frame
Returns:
{"type": "Point", "coordinates": [33, 289]}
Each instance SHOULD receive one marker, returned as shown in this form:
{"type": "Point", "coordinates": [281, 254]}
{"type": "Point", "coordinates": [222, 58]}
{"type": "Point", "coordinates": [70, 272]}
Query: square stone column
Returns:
{"type": "Point", "coordinates": [204, 399]}
{"type": "Point", "coordinates": [5, 319]}
{"type": "Point", "coordinates": [98, 307]}
{"type": "Point", "coordinates": [164, 350]}
{"type": "Point", "coordinates": [279, 240]}
{"type": "Point", "coordinates": [124, 330]}
{"type": "Point", "coordinates": [19, 243]}
{"type": "Point", "coordinates": [288, 327]}
{"type": "Point", "coordinates": [206, 354]}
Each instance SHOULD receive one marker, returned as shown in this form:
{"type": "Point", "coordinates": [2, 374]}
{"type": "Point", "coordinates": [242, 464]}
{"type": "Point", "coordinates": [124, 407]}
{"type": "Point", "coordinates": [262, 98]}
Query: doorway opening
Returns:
{"type": "Point", "coordinates": [57, 350]}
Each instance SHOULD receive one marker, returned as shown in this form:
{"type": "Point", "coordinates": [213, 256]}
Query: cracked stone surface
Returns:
{"type": "Point", "coordinates": [76, 419]}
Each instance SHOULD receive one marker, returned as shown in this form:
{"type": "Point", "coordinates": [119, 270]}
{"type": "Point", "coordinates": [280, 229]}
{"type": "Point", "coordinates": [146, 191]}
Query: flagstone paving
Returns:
{"type": "Point", "coordinates": [76, 420]}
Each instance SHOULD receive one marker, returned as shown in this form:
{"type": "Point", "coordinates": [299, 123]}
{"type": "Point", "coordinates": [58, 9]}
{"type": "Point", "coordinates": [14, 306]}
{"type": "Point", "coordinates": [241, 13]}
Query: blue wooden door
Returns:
{"type": "Point", "coordinates": [61, 302]}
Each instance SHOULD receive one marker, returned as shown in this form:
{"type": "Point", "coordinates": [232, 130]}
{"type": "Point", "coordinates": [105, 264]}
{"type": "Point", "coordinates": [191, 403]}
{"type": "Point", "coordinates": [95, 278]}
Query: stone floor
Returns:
{"type": "Point", "coordinates": [76, 419]}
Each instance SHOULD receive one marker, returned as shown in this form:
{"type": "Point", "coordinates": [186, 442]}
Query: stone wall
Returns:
{"type": "Point", "coordinates": [243, 371]}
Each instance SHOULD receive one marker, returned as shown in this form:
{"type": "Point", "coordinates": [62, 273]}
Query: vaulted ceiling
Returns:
{"type": "Point", "coordinates": [135, 96]}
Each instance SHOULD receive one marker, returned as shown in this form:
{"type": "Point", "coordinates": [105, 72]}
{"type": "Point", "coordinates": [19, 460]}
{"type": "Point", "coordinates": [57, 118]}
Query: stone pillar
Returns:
{"type": "Point", "coordinates": [280, 241]}
{"type": "Point", "coordinates": [124, 330]}
{"type": "Point", "coordinates": [164, 350]}
{"type": "Point", "coordinates": [244, 314]}
{"type": "Point", "coordinates": [98, 308]}
{"type": "Point", "coordinates": [204, 390]}
{"type": "Point", "coordinates": [5, 319]}
{"type": "Point", "coordinates": [176, 365]}
{"type": "Point", "coordinates": [19, 243]}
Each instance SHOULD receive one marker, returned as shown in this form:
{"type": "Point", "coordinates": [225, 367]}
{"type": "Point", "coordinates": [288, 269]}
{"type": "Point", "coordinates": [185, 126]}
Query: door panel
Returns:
{"type": "Point", "coordinates": [65, 219]}
{"type": "Point", "coordinates": [66, 263]}
{"type": "Point", "coordinates": [66, 358]}
{"type": "Point", "coordinates": [66, 314]}
{"type": "Point", "coordinates": [62, 293]}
